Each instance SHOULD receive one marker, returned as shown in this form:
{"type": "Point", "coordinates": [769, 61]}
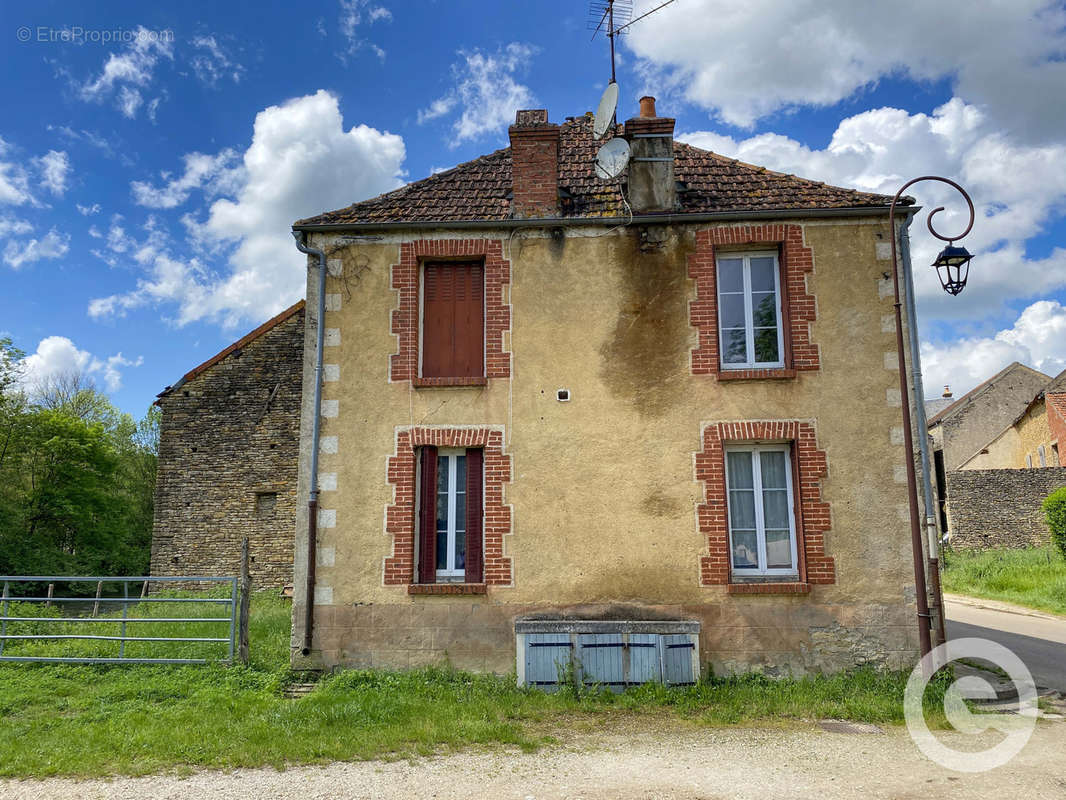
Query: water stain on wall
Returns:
{"type": "Point", "coordinates": [646, 357]}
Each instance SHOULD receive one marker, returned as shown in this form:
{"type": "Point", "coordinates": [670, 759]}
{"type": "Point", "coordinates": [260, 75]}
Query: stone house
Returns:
{"type": "Point", "coordinates": [995, 497]}
{"type": "Point", "coordinates": [645, 424]}
{"type": "Point", "coordinates": [228, 452]}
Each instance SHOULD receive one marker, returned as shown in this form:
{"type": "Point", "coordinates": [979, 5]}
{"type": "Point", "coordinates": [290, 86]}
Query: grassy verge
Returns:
{"type": "Point", "coordinates": [99, 720]}
{"type": "Point", "coordinates": [1035, 577]}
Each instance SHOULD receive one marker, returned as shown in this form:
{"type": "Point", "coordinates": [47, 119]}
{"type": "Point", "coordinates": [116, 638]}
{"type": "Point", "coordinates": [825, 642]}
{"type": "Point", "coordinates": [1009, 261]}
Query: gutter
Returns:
{"type": "Point", "coordinates": [933, 553]}
{"type": "Point", "coordinates": [644, 219]}
{"type": "Point", "coordinates": [312, 495]}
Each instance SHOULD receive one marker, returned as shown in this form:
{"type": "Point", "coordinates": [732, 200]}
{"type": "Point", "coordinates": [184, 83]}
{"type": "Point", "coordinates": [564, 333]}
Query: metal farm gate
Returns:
{"type": "Point", "coordinates": [34, 610]}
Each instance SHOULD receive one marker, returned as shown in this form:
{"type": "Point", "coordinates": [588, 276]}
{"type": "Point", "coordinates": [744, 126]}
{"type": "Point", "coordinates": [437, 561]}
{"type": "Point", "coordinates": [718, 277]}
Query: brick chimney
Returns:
{"type": "Point", "coordinates": [535, 165]}
{"type": "Point", "coordinates": [651, 164]}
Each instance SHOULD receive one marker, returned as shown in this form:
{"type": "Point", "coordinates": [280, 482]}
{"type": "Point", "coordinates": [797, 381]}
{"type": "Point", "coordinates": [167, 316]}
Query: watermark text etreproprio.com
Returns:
{"type": "Point", "coordinates": [75, 34]}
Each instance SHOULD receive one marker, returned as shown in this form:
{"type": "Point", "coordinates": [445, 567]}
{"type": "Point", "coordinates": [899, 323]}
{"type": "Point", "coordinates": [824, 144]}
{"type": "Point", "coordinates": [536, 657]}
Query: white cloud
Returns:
{"type": "Point", "coordinates": [211, 63]}
{"type": "Point", "coordinates": [14, 182]}
{"type": "Point", "coordinates": [1037, 338]}
{"type": "Point", "coordinates": [54, 167]}
{"type": "Point", "coordinates": [125, 74]}
{"type": "Point", "coordinates": [301, 162]}
{"type": "Point", "coordinates": [17, 227]}
{"type": "Point", "coordinates": [52, 245]}
{"type": "Point", "coordinates": [354, 13]}
{"type": "Point", "coordinates": [88, 211]}
{"type": "Point", "coordinates": [486, 90]}
{"type": "Point", "coordinates": [745, 61]}
{"type": "Point", "coordinates": [216, 174]}
{"type": "Point", "coordinates": [1018, 190]}
{"type": "Point", "coordinates": [57, 356]}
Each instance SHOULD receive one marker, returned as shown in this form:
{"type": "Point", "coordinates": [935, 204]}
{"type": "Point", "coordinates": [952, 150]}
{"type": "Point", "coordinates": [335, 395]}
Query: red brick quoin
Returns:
{"type": "Point", "coordinates": [403, 365]}
{"type": "Point", "coordinates": [808, 468]}
{"type": "Point", "coordinates": [400, 515]}
{"type": "Point", "coordinates": [797, 306]}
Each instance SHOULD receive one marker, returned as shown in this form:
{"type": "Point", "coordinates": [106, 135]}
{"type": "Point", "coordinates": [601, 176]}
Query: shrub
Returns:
{"type": "Point", "coordinates": [1055, 511]}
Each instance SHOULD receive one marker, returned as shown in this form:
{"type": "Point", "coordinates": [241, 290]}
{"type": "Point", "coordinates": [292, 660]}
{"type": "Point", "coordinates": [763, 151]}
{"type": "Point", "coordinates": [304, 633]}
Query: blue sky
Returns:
{"type": "Point", "coordinates": [152, 158]}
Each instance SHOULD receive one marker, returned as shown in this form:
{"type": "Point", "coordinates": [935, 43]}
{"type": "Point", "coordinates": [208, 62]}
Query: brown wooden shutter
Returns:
{"type": "Point", "coordinates": [474, 502]}
{"type": "Point", "coordinates": [453, 320]}
{"type": "Point", "coordinates": [427, 515]}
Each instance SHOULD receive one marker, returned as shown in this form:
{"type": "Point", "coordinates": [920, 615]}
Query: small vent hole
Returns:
{"type": "Point", "coordinates": [562, 395]}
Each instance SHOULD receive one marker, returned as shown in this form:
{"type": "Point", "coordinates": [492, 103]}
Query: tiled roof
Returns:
{"type": "Point", "coordinates": [481, 189]}
{"type": "Point", "coordinates": [977, 390]}
{"type": "Point", "coordinates": [240, 344]}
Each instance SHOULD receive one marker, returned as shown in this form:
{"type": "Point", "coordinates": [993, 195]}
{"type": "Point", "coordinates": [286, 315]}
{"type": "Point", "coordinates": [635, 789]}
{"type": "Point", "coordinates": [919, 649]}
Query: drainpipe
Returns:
{"type": "Point", "coordinates": [312, 495]}
{"type": "Point", "coordinates": [937, 608]}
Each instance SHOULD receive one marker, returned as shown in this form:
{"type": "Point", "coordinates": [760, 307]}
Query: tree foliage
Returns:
{"type": "Point", "coordinates": [1055, 512]}
{"type": "Point", "coordinates": [77, 478]}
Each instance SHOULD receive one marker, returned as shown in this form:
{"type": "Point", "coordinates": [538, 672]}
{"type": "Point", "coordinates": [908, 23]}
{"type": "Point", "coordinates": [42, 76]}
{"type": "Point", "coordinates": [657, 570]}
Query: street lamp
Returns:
{"type": "Point", "coordinates": [953, 267]}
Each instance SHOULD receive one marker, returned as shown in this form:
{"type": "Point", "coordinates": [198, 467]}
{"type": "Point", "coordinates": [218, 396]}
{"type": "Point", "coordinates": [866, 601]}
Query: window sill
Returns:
{"type": "Point", "coordinates": [769, 587]}
{"type": "Point", "coordinates": [779, 373]}
{"type": "Point", "coordinates": [425, 382]}
{"type": "Point", "coordinates": [446, 588]}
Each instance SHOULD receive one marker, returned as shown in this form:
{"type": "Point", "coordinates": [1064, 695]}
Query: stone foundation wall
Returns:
{"type": "Point", "coordinates": [1000, 507]}
{"type": "Point", "coordinates": [228, 450]}
{"type": "Point", "coordinates": [776, 636]}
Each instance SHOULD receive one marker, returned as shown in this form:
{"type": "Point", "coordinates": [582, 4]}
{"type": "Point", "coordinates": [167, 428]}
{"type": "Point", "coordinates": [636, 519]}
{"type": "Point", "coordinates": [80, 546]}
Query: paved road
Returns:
{"type": "Point", "coordinates": [1039, 642]}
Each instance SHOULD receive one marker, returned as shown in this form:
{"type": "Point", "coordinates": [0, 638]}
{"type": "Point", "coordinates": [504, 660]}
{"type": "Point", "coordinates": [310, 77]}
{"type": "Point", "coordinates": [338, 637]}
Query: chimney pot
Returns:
{"type": "Point", "coordinates": [947, 391]}
{"type": "Point", "coordinates": [647, 107]}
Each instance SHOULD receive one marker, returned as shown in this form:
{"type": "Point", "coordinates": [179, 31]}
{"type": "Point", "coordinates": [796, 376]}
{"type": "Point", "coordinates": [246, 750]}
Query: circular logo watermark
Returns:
{"type": "Point", "coordinates": [1016, 728]}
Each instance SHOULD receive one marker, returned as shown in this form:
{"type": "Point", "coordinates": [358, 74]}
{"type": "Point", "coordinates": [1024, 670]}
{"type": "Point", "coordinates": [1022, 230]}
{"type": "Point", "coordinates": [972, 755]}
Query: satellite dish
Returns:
{"type": "Point", "coordinates": [612, 159]}
{"type": "Point", "coordinates": [605, 111]}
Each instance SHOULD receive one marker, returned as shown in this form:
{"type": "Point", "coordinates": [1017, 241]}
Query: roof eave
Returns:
{"type": "Point", "coordinates": [643, 219]}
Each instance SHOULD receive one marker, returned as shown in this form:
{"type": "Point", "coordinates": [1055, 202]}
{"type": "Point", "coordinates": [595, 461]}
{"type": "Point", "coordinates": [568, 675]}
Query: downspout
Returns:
{"type": "Point", "coordinates": [312, 495]}
{"type": "Point", "coordinates": [937, 609]}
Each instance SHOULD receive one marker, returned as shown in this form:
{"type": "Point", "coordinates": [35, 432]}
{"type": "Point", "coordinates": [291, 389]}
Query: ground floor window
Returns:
{"type": "Point", "coordinates": [762, 519]}
{"type": "Point", "coordinates": [450, 515]}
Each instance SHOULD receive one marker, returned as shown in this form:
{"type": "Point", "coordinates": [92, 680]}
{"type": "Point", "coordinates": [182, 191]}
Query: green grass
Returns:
{"type": "Point", "coordinates": [1035, 577]}
{"type": "Point", "coordinates": [99, 720]}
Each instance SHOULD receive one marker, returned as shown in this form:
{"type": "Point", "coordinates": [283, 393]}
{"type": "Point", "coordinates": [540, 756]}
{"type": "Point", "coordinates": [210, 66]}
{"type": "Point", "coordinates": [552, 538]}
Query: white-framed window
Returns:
{"type": "Point", "coordinates": [1042, 454]}
{"type": "Point", "coordinates": [1029, 460]}
{"type": "Point", "coordinates": [749, 311]}
{"type": "Point", "coordinates": [451, 515]}
{"type": "Point", "coordinates": [762, 518]}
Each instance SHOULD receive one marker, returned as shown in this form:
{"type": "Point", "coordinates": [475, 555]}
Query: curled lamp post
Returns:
{"type": "Point", "coordinates": [952, 265]}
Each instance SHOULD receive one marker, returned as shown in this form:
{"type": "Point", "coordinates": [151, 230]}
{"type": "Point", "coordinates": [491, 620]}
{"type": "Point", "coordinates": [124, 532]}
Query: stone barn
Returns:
{"type": "Point", "coordinates": [228, 452]}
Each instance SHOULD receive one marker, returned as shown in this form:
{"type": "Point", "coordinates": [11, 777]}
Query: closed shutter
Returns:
{"type": "Point", "coordinates": [453, 321]}
{"type": "Point", "coordinates": [676, 652]}
{"type": "Point", "coordinates": [427, 515]}
{"type": "Point", "coordinates": [644, 661]}
{"type": "Point", "coordinates": [601, 659]}
{"type": "Point", "coordinates": [548, 659]}
{"type": "Point", "coordinates": [474, 502]}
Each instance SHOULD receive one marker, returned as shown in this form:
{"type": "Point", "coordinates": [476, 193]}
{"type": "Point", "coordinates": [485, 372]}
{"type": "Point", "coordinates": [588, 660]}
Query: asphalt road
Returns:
{"type": "Point", "coordinates": [1039, 642]}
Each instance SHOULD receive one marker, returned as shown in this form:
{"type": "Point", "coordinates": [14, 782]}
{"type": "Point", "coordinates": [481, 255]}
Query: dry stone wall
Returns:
{"type": "Point", "coordinates": [228, 450]}
{"type": "Point", "coordinates": [1000, 507]}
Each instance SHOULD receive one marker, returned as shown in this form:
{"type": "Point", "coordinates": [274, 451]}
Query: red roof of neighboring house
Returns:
{"type": "Point", "coordinates": [237, 345]}
{"type": "Point", "coordinates": [481, 189]}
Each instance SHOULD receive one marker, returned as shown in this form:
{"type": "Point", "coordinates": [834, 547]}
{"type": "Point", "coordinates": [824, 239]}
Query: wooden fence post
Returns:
{"type": "Point", "coordinates": [99, 590]}
{"type": "Point", "coordinates": [246, 600]}
{"type": "Point", "coordinates": [51, 590]}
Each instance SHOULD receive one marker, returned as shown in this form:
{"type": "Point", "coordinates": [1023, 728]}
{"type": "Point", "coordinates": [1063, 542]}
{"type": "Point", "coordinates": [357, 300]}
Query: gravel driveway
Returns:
{"type": "Point", "coordinates": [654, 759]}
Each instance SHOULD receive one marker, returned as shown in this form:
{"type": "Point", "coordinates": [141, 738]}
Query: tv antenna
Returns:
{"type": "Point", "coordinates": [614, 17]}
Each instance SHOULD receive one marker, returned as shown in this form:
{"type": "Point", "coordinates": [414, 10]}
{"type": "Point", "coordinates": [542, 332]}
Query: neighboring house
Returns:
{"type": "Point", "coordinates": [969, 423]}
{"type": "Point", "coordinates": [645, 424]}
{"type": "Point", "coordinates": [1028, 442]}
{"type": "Point", "coordinates": [994, 498]}
{"type": "Point", "coordinates": [228, 444]}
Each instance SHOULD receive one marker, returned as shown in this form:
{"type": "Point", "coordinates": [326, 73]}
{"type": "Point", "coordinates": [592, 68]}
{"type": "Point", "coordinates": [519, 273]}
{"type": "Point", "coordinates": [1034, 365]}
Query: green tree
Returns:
{"type": "Point", "coordinates": [1055, 512]}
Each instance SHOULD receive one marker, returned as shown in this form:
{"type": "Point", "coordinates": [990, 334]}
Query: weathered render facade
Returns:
{"type": "Point", "coordinates": [625, 468]}
{"type": "Point", "coordinates": [228, 452]}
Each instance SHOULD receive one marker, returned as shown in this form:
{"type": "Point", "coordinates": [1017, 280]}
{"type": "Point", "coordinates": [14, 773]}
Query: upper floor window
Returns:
{"type": "Point", "coordinates": [453, 320]}
{"type": "Point", "coordinates": [762, 519]}
{"type": "Point", "coordinates": [749, 311]}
